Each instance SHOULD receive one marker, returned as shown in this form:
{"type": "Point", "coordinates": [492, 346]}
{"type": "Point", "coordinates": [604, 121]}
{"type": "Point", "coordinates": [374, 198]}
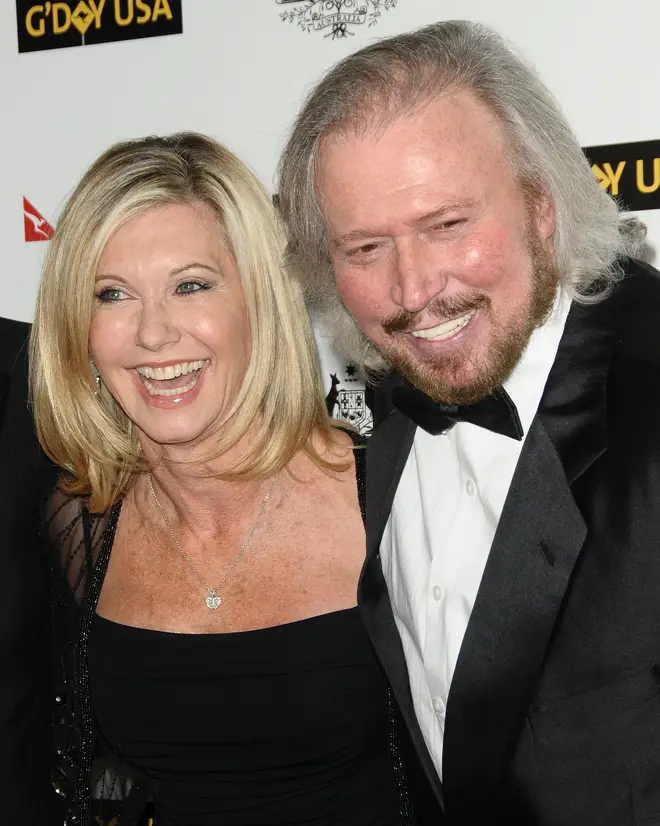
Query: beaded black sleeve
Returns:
{"type": "Point", "coordinates": [92, 784]}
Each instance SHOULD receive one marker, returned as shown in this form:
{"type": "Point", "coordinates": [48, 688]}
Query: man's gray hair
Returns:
{"type": "Point", "coordinates": [399, 74]}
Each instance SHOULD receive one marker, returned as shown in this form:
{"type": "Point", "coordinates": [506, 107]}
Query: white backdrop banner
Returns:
{"type": "Point", "coordinates": [79, 75]}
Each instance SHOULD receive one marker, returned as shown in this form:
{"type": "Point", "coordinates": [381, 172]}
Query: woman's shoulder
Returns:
{"type": "Point", "coordinates": [347, 453]}
{"type": "Point", "coordinates": [62, 509]}
{"type": "Point", "coordinates": [349, 437]}
{"type": "Point", "coordinates": [60, 513]}
{"type": "Point", "coordinates": [68, 527]}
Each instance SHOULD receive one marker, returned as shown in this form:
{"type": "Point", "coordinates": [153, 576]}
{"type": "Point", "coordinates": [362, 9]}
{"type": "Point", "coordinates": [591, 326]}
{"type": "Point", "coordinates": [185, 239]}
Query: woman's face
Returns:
{"type": "Point", "coordinates": [170, 335]}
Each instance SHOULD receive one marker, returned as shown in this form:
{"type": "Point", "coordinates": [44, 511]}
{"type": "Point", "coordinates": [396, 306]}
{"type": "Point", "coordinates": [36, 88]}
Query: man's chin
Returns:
{"type": "Point", "coordinates": [452, 391]}
{"type": "Point", "coordinates": [451, 384]}
{"type": "Point", "coordinates": [453, 372]}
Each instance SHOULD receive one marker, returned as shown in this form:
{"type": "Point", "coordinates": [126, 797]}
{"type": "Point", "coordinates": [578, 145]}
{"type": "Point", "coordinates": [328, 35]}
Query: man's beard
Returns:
{"type": "Point", "coordinates": [437, 376]}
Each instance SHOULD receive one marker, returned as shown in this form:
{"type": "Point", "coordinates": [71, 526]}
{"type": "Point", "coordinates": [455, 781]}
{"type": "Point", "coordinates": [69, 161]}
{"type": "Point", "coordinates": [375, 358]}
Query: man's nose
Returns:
{"type": "Point", "coordinates": [419, 278]}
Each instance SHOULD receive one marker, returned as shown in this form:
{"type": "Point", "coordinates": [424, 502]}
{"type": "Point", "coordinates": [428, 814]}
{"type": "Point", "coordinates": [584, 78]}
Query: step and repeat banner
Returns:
{"type": "Point", "coordinates": [77, 75]}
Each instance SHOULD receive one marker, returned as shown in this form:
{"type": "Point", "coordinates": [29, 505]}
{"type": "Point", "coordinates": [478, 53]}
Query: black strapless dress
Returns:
{"type": "Point", "coordinates": [283, 725]}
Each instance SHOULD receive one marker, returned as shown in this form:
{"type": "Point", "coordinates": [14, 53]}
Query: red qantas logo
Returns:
{"type": "Point", "coordinates": [37, 227]}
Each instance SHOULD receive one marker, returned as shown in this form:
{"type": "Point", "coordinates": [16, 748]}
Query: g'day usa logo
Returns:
{"type": "Point", "coordinates": [57, 25]}
{"type": "Point", "coordinates": [334, 17]}
{"type": "Point", "coordinates": [629, 172]}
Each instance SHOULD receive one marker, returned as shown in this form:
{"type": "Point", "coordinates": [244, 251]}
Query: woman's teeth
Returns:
{"type": "Point", "coordinates": [445, 330]}
{"type": "Point", "coordinates": [171, 371]}
{"type": "Point", "coordinates": [153, 376]}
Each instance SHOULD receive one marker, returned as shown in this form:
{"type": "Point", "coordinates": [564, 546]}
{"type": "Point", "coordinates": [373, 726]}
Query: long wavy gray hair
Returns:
{"type": "Point", "coordinates": [397, 75]}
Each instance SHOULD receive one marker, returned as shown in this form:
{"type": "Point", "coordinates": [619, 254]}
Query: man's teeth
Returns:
{"type": "Point", "coordinates": [446, 329]}
{"type": "Point", "coordinates": [172, 371]}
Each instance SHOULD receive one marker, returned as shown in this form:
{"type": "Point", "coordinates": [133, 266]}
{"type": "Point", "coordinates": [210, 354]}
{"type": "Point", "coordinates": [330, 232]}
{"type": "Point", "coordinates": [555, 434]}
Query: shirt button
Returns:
{"type": "Point", "coordinates": [438, 705]}
{"type": "Point", "coordinates": [437, 593]}
{"type": "Point", "coordinates": [470, 487]}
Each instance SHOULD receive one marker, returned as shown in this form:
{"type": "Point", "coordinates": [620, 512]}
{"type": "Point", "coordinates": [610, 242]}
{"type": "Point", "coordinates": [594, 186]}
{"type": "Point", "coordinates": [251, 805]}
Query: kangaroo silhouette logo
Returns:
{"type": "Point", "coordinates": [332, 399]}
{"type": "Point", "coordinates": [37, 227]}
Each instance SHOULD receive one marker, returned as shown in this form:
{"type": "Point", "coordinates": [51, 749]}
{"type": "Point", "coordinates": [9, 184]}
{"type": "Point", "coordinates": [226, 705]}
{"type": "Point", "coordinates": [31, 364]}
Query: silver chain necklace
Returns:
{"type": "Point", "coordinates": [213, 598]}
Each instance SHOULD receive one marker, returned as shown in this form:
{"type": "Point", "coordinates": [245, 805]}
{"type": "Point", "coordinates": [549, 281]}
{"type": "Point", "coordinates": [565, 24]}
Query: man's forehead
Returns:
{"type": "Point", "coordinates": [418, 161]}
{"type": "Point", "coordinates": [449, 109]}
{"type": "Point", "coordinates": [455, 128]}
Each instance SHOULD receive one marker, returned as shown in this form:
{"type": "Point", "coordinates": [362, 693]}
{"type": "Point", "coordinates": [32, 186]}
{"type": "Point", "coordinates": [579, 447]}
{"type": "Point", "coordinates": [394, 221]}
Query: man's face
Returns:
{"type": "Point", "coordinates": [445, 263]}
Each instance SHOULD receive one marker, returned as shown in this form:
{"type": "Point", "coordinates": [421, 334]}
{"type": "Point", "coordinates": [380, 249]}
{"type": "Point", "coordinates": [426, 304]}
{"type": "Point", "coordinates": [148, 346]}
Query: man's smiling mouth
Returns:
{"type": "Point", "coordinates": [445, 330]}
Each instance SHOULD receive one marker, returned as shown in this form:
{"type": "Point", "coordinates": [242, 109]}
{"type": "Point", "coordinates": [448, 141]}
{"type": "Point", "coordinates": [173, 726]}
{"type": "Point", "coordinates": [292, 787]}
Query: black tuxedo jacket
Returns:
{"type": "Point", "coordinates": [25, 793]}
{"type": "Point", "coordinates": [553, 715]}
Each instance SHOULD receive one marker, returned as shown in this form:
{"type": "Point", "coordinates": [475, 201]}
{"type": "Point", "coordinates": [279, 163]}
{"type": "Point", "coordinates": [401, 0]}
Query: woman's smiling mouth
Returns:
{"type": "Point", "coordinates": [171, 380]}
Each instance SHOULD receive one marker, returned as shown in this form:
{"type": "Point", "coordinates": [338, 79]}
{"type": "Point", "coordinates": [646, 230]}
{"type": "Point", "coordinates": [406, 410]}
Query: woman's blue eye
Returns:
{"type": "Point", "coordinates": [187, 287]}
{"type": "Point", "coordinates": [108, 294]}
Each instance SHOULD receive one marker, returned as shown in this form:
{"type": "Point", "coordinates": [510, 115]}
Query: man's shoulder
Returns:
{"type": "Point", "coordinates": [634, 374]}
{"type": "Point", "coordinates": [13, 342]}
{"type": "Point", "coordinates": [14, 330]}
{"type": "Point", "coordinates": [637, 312]}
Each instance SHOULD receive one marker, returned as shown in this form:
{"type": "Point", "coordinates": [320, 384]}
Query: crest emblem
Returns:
{"type": "Point", "coordinates": [349, 402]}
{"type": "Point", "coordinates": [334, 17]}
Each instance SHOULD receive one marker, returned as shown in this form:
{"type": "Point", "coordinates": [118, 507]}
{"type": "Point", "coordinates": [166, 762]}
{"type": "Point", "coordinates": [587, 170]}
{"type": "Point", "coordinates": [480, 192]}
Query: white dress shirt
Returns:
{"type": "Point", "coordinates": [443, 521]}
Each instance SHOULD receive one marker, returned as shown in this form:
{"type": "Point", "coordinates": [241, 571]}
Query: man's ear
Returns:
{"type": "Point", "coordinates": [545, 217]}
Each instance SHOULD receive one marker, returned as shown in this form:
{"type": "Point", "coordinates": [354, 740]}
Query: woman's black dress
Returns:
{"type": "Point", "coordinates": [285, 725]}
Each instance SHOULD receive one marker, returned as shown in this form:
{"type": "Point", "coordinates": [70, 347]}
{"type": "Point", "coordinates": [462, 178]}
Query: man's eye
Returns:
{"type": "Point", "coordinates": [363, 251]}
{"type": "Point", "coordinates": [109, 294]}
{"type": "Point", "coordinates": [445, 225]}
{"type": "Point", "coordinates": [188, 287]}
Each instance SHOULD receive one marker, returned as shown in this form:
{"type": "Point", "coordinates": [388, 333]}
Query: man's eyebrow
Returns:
{"type": "Point", "coordinates": [355, 235]}
{"type": "Point", "coordinates": [360, 234]}
{"type": "Point", "coordinates": [451, 206]}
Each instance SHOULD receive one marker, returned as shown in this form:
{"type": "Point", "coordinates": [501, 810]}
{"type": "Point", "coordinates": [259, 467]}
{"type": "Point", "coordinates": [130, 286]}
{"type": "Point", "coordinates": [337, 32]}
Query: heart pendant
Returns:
{"type": "Point", "coordinates": [213, 600]}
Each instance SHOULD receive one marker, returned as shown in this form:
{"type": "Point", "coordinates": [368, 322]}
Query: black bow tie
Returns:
{"type": "Point", "coordinates": [496, 412]}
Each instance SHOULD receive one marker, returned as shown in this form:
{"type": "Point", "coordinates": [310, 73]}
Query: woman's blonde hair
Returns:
{"type": "Point", "coordinates": [84, 430]}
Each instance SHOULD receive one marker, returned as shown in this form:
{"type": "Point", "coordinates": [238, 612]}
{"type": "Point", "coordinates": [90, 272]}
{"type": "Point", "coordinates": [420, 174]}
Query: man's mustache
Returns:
{"type": "Point", "coordinates": [443, 308]}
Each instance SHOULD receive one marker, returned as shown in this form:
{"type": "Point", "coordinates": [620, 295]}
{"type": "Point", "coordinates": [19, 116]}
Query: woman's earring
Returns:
{"type": "Point", "coordinates": [97, 377]}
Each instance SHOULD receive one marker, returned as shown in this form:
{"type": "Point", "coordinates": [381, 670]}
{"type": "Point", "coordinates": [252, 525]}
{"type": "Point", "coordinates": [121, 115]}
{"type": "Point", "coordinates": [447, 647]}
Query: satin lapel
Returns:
{"type": "Point", "coordinates": [387, 452]}
{"type": "Point", "coordinates": [4, 396]}
{"type": "Point", "coordinates": [538, 540]}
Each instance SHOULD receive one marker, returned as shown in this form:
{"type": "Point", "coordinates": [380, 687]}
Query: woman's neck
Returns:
{"type": "Point", "coordinates": [192, 493]}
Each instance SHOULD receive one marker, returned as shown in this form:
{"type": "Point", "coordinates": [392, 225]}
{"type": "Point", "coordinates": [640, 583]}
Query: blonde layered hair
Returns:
{"type": "Point", "coordinates": [280, 400]}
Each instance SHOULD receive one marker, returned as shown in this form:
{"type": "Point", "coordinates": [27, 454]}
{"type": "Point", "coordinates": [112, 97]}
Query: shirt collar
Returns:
{"type": "Point", "coordinates": [526, 383]}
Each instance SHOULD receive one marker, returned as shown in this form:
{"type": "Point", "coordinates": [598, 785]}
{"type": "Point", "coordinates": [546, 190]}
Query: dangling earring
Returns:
{"type": "Point", "coordinates": [97, 378]}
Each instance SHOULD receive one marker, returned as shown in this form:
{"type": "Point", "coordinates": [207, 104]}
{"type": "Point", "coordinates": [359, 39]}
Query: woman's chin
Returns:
{"type": "Point", "coordinates": [184, 437]}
